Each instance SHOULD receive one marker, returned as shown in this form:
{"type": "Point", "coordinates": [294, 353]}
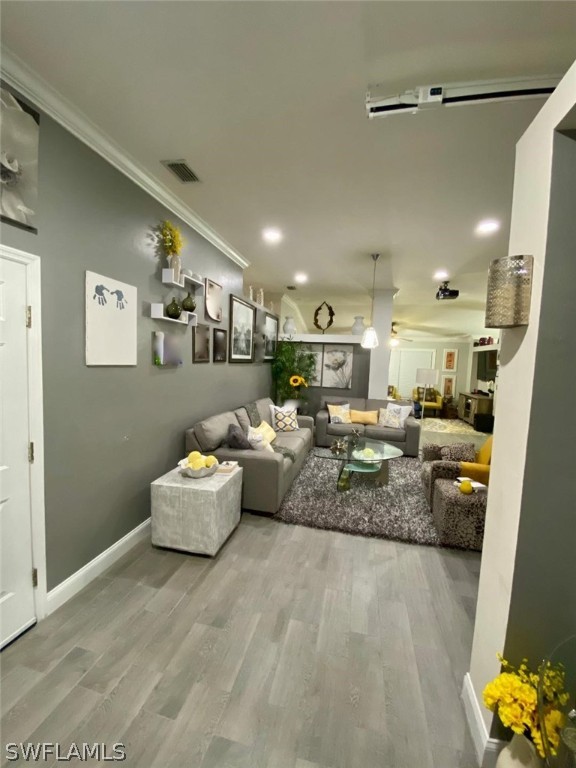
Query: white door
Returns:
{"type": "Point", "coordinates": [17, 608]}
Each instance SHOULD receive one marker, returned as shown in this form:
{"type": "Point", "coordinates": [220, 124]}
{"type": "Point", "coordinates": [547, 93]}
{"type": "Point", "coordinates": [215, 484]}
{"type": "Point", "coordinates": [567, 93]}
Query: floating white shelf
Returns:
{"type": "Point", "coordinates": [168, 279]}
{"type": "Point", "coordinates": [186, 318]}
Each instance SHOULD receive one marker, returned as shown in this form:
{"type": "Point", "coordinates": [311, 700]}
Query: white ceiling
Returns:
{"type": "Point", "coordinates": [266, 102]}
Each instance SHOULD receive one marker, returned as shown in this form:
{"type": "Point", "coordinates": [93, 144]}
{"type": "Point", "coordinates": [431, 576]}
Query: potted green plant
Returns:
{"type": "Point", "coordinates": [292, 370]}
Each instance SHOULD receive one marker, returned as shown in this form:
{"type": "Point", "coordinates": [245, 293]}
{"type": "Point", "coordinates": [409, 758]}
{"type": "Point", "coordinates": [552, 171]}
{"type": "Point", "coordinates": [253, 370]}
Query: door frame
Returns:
{"type": "Point", "coordinates": [35, 420]}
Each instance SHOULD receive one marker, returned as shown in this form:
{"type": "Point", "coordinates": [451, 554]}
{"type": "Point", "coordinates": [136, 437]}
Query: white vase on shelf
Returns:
{"type": "Point", "coordinates": [358, 327]}
{"type": "Point", "coordinates": [519, 753]}
{"type": "Point", "coordinates": [175, 265]}
{"type": "Point", "coordinates": [289, 327]}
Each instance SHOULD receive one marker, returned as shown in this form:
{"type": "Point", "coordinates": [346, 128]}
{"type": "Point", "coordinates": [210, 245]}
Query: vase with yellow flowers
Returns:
{"type": "Point", "coordinates": [293, 368]}
{"type": "Point", "coordinates": [513, 696]}
{"type": "Point", "coordinates": [171, 243]}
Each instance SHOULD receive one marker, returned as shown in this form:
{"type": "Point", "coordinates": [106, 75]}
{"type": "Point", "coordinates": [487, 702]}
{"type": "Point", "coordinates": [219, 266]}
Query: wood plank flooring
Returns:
{"type": "Point", "coordinates": [294, 648]}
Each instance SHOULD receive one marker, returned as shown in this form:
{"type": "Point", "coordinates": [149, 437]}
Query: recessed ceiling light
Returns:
{"type": "Point", "coordinates": [487, 227]}
{"type": "Point", "coordinates": [300, 277]}
{"type": "Point", "coordinates": [441, 275]}
{"type": "Point", "coordinates": [394, 342]}
{"type": "Point", "coordinates": [272, 235]}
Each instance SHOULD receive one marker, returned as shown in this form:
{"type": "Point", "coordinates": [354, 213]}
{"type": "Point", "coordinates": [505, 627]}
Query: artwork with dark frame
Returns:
{"type": "Point", "coordinates": [270, 335]}
{"type": "Point", "coordinates": [20, 131]}
{"type": "Point", "coordinates": [242, 322]}
{"type": "Point", "coordinates": [201, 343]}
{"type": "Point", "coordinates": [219, 345]}
{"type": "Point", "coordinates": [213, 301]}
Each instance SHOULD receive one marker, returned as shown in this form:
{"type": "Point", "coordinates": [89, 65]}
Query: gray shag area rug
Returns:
{"type": "Point", "coordinates": [397, 511]}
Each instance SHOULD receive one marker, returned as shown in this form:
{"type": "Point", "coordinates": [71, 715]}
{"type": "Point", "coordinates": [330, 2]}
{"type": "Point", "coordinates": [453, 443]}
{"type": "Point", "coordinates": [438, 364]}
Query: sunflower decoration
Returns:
{"type": "Point", "coordinates": [298, 381]}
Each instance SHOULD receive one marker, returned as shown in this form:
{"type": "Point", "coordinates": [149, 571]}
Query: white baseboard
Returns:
{"type": "Point", "coordinates": [73, 584]}
{"type": "Point", "coordinates": [487, 749]}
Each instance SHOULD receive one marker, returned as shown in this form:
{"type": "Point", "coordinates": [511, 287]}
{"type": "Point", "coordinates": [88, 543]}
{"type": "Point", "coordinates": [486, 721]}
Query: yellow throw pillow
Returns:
{"type": "Point", "coordinates": [339, 414]}
{"type": "Point", "coordinates": [364, 417]}
{"type": "Point", "coordinates": [266, 431]}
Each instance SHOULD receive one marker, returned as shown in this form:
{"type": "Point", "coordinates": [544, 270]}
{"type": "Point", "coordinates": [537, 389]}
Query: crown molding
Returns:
{"type": "Point", "coordinates": [17, 74]}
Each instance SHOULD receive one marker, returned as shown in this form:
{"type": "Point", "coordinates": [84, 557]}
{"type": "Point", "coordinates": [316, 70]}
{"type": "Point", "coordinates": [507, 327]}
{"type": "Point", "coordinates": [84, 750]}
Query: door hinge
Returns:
{"type": "Point", "coordinates": [28, 317]}
{"type": "Point", "coordinates": [34, 577]}
{"type": "Point", "coordinates": [31, 453]}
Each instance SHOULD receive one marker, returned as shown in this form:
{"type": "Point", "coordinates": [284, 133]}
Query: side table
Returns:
{"type": "Point", "coordinates": [195, 515]}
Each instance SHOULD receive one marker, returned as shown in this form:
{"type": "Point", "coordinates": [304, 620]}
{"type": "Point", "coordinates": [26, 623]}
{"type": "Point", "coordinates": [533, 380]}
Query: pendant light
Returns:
{"type": "Point", "coordinates": [370, 337]}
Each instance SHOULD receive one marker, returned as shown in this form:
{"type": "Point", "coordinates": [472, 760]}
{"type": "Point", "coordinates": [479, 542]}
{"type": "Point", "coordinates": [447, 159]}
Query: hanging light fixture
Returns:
{"type": "Point", "coordinates": [370, 337]}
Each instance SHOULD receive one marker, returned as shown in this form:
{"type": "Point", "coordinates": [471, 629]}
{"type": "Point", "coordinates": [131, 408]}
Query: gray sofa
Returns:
{"type": "Point", "coordinates": [267, 476]}
{"type": "Point", "coordinates": [406, 439]}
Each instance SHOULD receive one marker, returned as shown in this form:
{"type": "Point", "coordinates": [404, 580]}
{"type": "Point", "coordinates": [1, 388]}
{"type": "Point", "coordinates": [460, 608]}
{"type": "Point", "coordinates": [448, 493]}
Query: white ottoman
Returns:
{"type": "Point", "coordinates": [195, 515]}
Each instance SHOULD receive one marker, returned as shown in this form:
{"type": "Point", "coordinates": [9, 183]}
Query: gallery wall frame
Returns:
{"type": "Point", "coordinates": [213, 301]}
{"type": "Point", "coordinates": [219, 345]}
{"type": "Point", "coordinates": [271, 325]}
{"type": "Point", "coordinates": [242, 326]}
{"type": "Point", "coordinates": [450, 360]}
{"type": "Point", "coordinates": [448, 386]}
{"type": "Point", "coordinates": [201, 343]}
{"type": "Point", "coordinates": [111, 321]}
{"type": "Point", "coordinates": [19, 137]}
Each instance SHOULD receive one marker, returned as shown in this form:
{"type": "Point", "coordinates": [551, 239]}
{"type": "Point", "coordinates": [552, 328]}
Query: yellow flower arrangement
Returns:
{"type": "Point", "coordinates": [514, 696]}
{"type": "Point", "coordinates": [298, 381]}
{"type": "Point", "coordinates": [171, 238]}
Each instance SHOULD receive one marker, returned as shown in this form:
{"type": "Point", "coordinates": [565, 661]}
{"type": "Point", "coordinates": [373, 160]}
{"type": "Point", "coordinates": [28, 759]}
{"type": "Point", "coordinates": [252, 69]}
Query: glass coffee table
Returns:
{"type": "Point", "coordinates": [362, 455]}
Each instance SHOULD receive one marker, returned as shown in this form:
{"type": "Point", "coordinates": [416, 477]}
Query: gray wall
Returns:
{"type": "Point", "coordinates": [543, 604]}
{"type": "Point", "coordinates": [110, 431]}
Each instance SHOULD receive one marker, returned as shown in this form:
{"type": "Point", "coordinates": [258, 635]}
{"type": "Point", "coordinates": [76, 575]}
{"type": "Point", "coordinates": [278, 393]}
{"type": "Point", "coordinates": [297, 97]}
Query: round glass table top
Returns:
{"type": "Point", "coordinates": [363, 450]}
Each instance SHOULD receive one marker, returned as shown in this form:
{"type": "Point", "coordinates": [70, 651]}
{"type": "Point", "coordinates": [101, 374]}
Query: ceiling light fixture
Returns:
{"type": "Point", "coordinates": [370, 337]}
{"type": "Point", "coordinates": [300, 277]}
{"type": "Point", "coordinates": [487, 227]}
{"type": "Point", "coordinates": [394, 342]}
{"type": "Point", "coordinates": [272, 235]}
{"type": "Point", "coordinates": [441, 275]}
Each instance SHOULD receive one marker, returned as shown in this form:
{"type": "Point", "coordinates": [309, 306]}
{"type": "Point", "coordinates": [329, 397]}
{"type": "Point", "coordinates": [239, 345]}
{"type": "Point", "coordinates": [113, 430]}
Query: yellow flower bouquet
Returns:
{"type": "Point", "coordinates": [513, 695]}
{"type": "Point", "coordinates": [298, 381]}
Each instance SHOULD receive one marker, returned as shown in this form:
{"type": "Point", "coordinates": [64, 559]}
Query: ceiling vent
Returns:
{"type": "Point", "coordinates": [181, 169]}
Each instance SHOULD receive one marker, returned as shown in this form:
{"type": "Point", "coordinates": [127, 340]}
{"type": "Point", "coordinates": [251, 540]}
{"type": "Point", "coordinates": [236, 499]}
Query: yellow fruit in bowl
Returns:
{"type": "Point", "coordinates": [211, 460]}
{"type": "Point", "coordinates": [194, 455]}
{"type": "Point", "coordinates": [196, 464]}
{"type": "Point", "coordinates": [368, 453]}
{"type": "Point", "coordinates": [466, 487]}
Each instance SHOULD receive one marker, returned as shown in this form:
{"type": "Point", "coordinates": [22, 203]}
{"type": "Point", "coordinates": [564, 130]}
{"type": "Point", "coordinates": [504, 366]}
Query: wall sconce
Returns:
{"type": "Point", "coordinates": [509, 291]}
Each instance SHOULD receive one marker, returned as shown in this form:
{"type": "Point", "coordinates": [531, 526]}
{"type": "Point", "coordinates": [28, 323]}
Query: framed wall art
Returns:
{"type": "Point", "coordinates": [242, 321]}
{"type": "Point", "coordinates": [111, 319]}
{"type": "Point", "coordinates": [19, 134]}
{"type": "Point", "coordinates": [270, 335]}
{"type": "Point", "coordinates": [213, 301]}
{"type": "Point", "coordinates": [337, 366]}
{"type": "Point", "coordinates": [450, 360]}
{"type": "Point", "coordinates": [219, 345]}
{"type": "Point", "coordinates": [201, 343]}
{"type": "Point", "coordinates": [448, 386]}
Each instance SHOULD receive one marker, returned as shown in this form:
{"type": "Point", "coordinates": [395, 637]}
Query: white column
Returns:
{"type": "Point", "coordinates": [380, 357]}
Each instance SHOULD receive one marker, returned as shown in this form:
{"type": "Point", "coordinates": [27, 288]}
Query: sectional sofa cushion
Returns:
{"type": "Point", "coordinates": [212, 432]}
{"type": "Point", "coordinates": [401, 411]}
{"type": "Point", "coordinates": [393, 435]}
{"type": "Point", "coordinates": [387, 418]}
{"type": "Point", "coordinates": [236, 438]}
{"type": "Point", "coordinates": [284, 419]}
{"type": "Point", "coordinates": [364, 417]}
{"type": "Point", "coordinates": [458, 452]}
{"type": "Point", "coordinates": [339, 414]}
{"type": "Point", "coordinates": [243, 420]}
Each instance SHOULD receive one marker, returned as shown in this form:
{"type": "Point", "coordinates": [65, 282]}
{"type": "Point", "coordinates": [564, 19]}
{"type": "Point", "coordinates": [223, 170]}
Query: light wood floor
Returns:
{"type": "Point", "coordinates": [294, 648]}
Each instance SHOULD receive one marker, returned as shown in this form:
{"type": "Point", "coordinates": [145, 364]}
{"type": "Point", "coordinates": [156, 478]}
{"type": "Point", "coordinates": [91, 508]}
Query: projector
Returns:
{"type": "Point", "coordinates": [446, 293]}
